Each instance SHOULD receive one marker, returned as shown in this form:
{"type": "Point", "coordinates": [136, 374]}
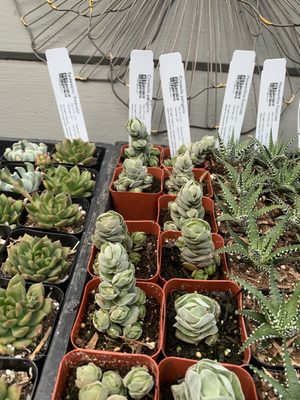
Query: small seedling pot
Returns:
{"type": "Point", "coordinates": [125, 146]}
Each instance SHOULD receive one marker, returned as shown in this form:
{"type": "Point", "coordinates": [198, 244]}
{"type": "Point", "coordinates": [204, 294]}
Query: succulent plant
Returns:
{"type": "Point", "coordinates": [188, 204]}
{"type": "Point", "coordinates": [208, 379]}
{"type": "Point", "coordinates": [111, 227]}
{"type": "Point", "coordinates": [10, 210]}
{"type": "Point", "coordinates": [24, 151]}
{"type": "Point", "coordinates": [22, 314]}
{"type": "Point", "coordinates": [197, 248]}
{"type": "Point", "coordinates": [10, 392]}
{"type": "Point", "coordinates": [37, 259]}
{"type": "Point", "coordinates": [134, 177]}
{"type": "Point", "coordinates": [93, 391]}
{"type": "Point", "coordinates": [234, 152]}
{"type": "Point", "coordinates": [139, 382]}
{"type": "Point", "coordinates": [75, 151]}
{"type": "Point", "coordinates": [140, 145]}
{"type": "Point", "coordinates": [29, 177]}
{"type": "Point", "coordinates": [114, 383]}
{"type": "Point", "coordinates": [72, 182]}
{"type": "Point", "coordinates": [182, 173]}
{"type": "Point", "coordinates": [196, 318]}
{"type": "Point", "coordinates": [51, 211]}
{"type": "Point", "coordinates": [117, 397]}
{"type": "Point", "coordinates": [285, 177]}
{"type": "Point", "coordinates": [87, 374]}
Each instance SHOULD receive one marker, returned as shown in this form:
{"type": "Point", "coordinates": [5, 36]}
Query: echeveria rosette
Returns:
{"type": "Point", "coordinates": [182, 173]}
{"type": "Point", "coordinates": [37, 259]}
{"type": "Point", "coordinates": [50, 211]}
{"type": "Point", "coordinates": [10, 210]}
{"type": "Point", "coordinates": [111, 227]}
{"type": "Point", "coordinates": [208, 380]}
{"type": "Point", "coordinates": [139, 382]}
{"type": "Point", "coordinates": [134, 177]}
{"type": "Point", "coordinates": [197, 248]}
{"type": "Point", "coordinates": [10, 391]}
{"type": "Point", "coordinates": [196, 318]}
{"type": "Point", "coordinates": [114, 383]}
{"type": "Point", "coordinates": [25, 151]}
{"type": "Point", "coordinates": [73, 181]}
{"type": "Point", "coordinates": [93, 391]}
{"type": "Point", "coordinates": [74, 151]}
{"type": "Point", "coordinates": [87, 374]}
{"type": "Point", "coordinates": [30, 178]}
{"type": "Point", "coordinates": [22, 314]}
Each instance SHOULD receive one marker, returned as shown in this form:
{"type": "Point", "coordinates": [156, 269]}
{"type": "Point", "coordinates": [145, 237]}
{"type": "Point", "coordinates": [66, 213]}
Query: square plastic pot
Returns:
{"type": "Point", "coordinates": [150, 228]}
{"type": "Point", "coordinates": [125, 146]}
{"type": "Point", "coordinates": [136, 206]}
{"type": "Point", "coordinates": [191, 286]}
{"type": "Point", "coordinates": [173, 369]}
{"type": "Point", "coordinates": [150, 289]}
{"type": "Point", "coordinates": [107, 360]}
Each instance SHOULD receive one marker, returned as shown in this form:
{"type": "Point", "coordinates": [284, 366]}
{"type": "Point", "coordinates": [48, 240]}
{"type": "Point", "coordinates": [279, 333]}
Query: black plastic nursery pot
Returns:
{"type": "Point", "coordinates": [65, 239]}
{"type": "Point", "coordinates": [18, 365]}
{"type": "Point", "coordinates": [5, 231]}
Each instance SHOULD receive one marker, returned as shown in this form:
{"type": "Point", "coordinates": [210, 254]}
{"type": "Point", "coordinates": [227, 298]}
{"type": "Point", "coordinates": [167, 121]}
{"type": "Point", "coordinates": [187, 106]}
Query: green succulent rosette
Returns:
{"type": "Point", "coordinates": [25, 151]}
{"type": "Point", "coordinates": [134, 177]}
{"type": "Point", "coordinates": [139, 382]}
{"type": "Point", "coordinates": [10, 392]}
{"type": "Point", "coordinates": [29, 177]}
{"type": "Point", "coordinates": [10, 210]}
{"type": "Point", "coordinates": [74, 151]}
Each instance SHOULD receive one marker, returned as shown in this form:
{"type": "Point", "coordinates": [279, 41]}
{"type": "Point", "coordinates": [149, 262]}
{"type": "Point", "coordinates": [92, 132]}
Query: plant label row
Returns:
{"type": "Point", "coordinates": [66, 94]}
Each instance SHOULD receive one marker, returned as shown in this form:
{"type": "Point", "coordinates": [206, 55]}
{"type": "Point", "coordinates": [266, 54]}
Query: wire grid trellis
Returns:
{"type": "Point", "coordinates": [102, 33]}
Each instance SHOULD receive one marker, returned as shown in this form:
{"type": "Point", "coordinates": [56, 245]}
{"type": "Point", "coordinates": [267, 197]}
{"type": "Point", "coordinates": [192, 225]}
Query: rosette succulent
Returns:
{"type": "Point", "coordinates": [10, 392]}
{"type": "Point", "coordinates": [28, 176]}
{"type": "Point", "coordinates": [134, 177]}
{"type": "Point", "coordinates": [93, 391]}
{"type": "Point", "coordinates": [74, 151]}
{"type": "Point", "coordinates": [197, 248]}
{"type": "Point", "coordinates": [72, 182]}
{"type": "Point", "coordinates": [10, 210]}
{"type": "Point", "coordinates": [196, 319]}
{"type": "Point", "coordinates": [139, 382]}
{"type": "Point", "coordinates": [114, 383]}
{"type": "Point", "coordinates": [111, 227]}
{"type": "Point", "coordinates": [182, 173]}
{"type": "Point", "coordinates": [87, 374]}
{"type": "Point", "coordinates": [188, 204]}
{"type": "Point", "coordinates": [37, 259]}
{"type": "Point", "coordinates": [209, 380]}
{"type": "Point", "coordinates": [25, 151]}
{"type": "Point", "coordinates": [22, 314]}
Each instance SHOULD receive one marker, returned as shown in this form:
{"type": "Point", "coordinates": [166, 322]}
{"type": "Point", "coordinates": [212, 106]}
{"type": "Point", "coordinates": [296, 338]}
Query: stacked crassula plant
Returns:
{"type": "Point", "coordinates": [208, 379]}
{"type": "Point", "coordinates": [37, 259]}
{"type": "Point", "coordinates": [74, 151]}
{"type": "Point", "coordinates": [197, 248]}
{"type": "Point", "coordinates": [134, 177]}
{"type": "Point", "coordinates": [25, 151]}
{"type": "Point", "coordinates": [10, 210]}
{"type": "Point", "coordinates": [29, 177]}
{"type": "Point", "coordinates": [22, 314]}
{"type": "Point", "coordinates": [188, 204]}
{"type": "Point", "coordinates": [140, 144]}
{"type": "Point", "coordinates": [109, 385]}
{"type": "Point", "coordinates": [182, 173]}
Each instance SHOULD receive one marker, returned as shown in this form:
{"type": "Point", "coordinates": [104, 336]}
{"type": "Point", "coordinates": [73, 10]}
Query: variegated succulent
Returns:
{"type": "Point", "coordinates": [29, 177]}
{"type": "Point", "coordinates": [234, 152]}
{"type": "Point", "coordinates": [37, 259]}
{"type": "Point", "coordinates": [134, 177]}
{"type": "Point", "coordinates": [182, 173]}
{"type": "Point", "coordinates": [75, 151]}
{"type": "Point", "coordinates": [25, 151]}
{"type": "Point", "coordinates": [69, 181]}
{"type": "Point", "coordinates": [10, 210]}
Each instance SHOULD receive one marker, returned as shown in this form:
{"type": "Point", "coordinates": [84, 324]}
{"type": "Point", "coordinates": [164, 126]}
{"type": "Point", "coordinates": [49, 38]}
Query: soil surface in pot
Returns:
{"type": "Point", "coordinates": [23, 379]}
{"type": "Point", "coordinates": [165, 390]}
{"type": "Point", "coordinates": [171, 265]}
{"type": "Point", "coordinates": [165, 216]}
{"type": "Point", "coordinates": [225, 349]}
{"type": "Point", "coordinates": [89, 338]}
{"type": "Point", "coordinates": [147, 267]}
{"type": "Point", "coordinates": [71, 391]}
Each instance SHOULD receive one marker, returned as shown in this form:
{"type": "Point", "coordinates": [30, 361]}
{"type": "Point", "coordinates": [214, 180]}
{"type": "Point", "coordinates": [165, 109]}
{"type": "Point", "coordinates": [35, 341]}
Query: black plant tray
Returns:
{"type": "Point", "coordinates": [65, 239]}
{"type": "Point", "coordinates": [20, 365]}
{"type": "Point", "coordinates": [5, 231]}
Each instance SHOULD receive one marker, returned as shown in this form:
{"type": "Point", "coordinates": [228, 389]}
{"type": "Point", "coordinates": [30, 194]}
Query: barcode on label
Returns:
{"type": "Point", "coordinates": [141, 85]}
{"type": "Point", "coordinates": [273, 88]}
{"type": "Point", "coordinates": [174, 88]}
{"type": "Point", "coordinates": [64, 83]}
{"type": "Point", "coordinates": [238, 86]}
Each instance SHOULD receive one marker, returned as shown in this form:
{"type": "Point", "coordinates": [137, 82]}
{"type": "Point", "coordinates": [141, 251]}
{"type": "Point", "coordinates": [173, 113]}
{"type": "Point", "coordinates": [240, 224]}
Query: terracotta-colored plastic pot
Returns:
{"type": "Point", "coordinates": [106, 360]}
{"type": "Point", "coordinates": [198, 173]}
{"type": "Point", "coordinates": [125, 146]}
{"type": "Point", "coordinates": [189, 285]}
{"type": "Point", "coordinates": [151, 289]}
{"type": "Point", "coordinates": [217, 240]}
{"type": "Point", "coordinates": [173, 369]}
{"type": "Point", "coordinates": [136, 206]}
{"type": "Point", "coordinates": [207, 203]}
{"type": "Point", "coordinates": [150, 228]}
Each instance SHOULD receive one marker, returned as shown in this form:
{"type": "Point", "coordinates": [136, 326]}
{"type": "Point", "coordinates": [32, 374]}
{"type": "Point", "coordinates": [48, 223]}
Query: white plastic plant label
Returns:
{"type": "Point", "coordinates": [175, 100]}
{"type": "Point", "coordinates": [270, 100]}
{"type": "Point", "coordinates": [66, 94]}
{"type": "Point", "coordinates": [141, 86]}
{"type": "Point", "coordinates": [236, 94]}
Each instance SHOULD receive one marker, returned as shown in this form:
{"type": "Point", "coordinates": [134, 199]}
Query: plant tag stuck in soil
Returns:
{"type": "Point", "coordinates": [270, 100]}
{"type": "Point", "coordinates": [141, 86]}
{"type": "Point", "coordinates": [175, 100]}
{"type": "Point", "coordinates": [236, 94]}
{"type": "Point", "coordinates": [66, 94]}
